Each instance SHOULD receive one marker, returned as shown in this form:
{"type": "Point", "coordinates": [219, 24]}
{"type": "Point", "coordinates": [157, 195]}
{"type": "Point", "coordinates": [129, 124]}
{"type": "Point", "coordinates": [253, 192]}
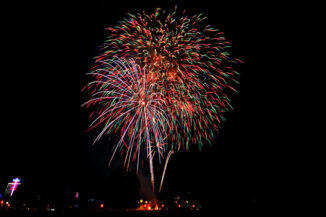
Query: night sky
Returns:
{"type": "Point", "coordinates": [50, 49]}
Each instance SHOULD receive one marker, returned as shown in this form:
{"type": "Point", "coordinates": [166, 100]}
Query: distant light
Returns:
{"type": "Point", "coordinates": [177, 197]}
{"type": "Point", "coordinates": [102, 205]}
{"type": "Point", "coordinates": [141, 201]}
{"type": "Point", "coordinates": [77, 195]}
{"type": "Point", "coordinates": [16, 180]}
{"type": "Point", "coordinates": [14, 185]}
{"type": "Point", "coordinates": [91, 199]}
{"type": "Point", "coordinates": [149, 208]}
{"type": "Point", "coordinates": [2, 202]}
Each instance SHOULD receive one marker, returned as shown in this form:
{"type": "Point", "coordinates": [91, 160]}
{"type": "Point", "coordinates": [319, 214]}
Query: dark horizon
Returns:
{"type": "Point", "coordinates": [50, 51]}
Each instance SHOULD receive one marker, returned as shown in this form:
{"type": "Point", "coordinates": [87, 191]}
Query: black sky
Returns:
{"type": "Point", "coordinates": [50, 48]}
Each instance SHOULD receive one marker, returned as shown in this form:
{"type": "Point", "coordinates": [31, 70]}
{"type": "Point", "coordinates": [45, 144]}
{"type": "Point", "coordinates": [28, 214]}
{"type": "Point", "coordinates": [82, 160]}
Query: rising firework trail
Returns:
{"type": "Point", "coordinates": [164, 170]}
{"type": "Point", "coordinates": [162, 81]}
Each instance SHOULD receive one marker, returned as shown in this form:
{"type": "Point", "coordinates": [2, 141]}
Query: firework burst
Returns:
{"type": "Point", "coordinates": [162, 80]}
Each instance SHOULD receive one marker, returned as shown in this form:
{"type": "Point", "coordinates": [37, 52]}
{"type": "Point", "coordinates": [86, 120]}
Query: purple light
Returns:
{"type": "Point", "coordinates": [14, 186]}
